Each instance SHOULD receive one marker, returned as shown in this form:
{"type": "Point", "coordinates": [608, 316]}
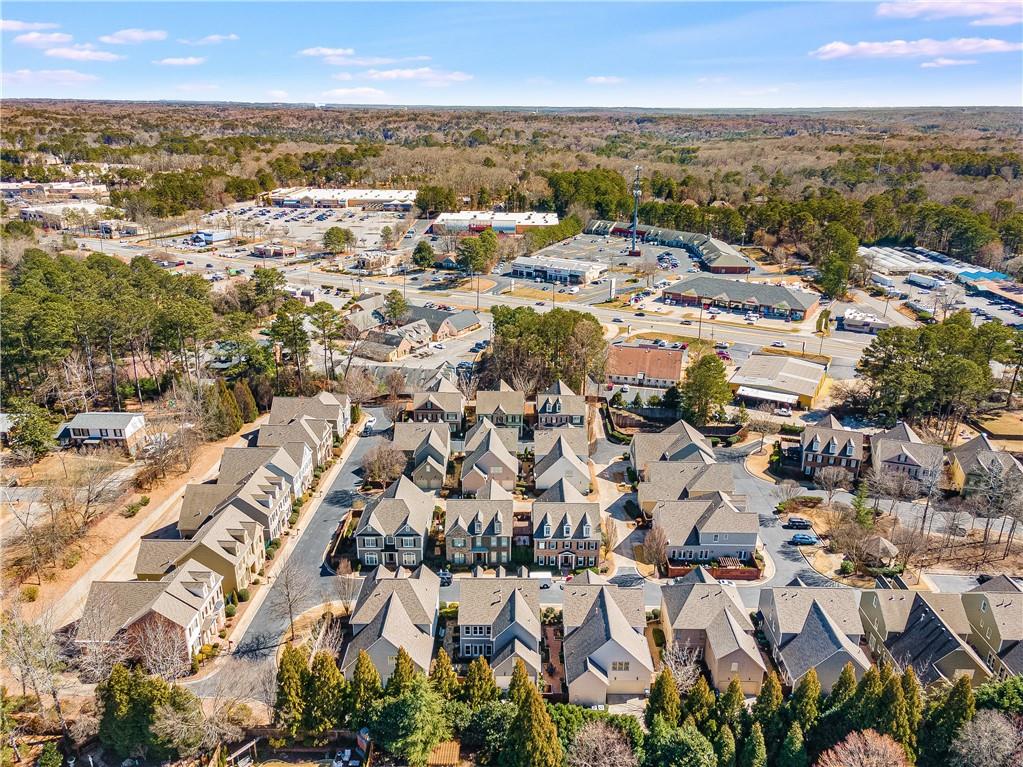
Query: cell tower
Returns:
{"type": "Point", "coordinates": [637, 191]}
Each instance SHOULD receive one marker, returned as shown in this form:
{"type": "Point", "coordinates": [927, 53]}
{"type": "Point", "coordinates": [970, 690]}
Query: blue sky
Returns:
{"type": "Point", "coordinates": [685, 54]}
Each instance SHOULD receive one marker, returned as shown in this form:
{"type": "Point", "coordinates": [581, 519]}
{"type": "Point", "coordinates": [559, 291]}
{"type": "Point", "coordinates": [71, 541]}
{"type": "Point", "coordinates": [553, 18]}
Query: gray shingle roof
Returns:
{"type": "Point", "coordinates": [740, 291]}
{"type": "Point", "coordinates": [595, 615]}
{"type": "Point", "coordinates": [509, 435]}
{"type": "Point", "coordinates": [979, 454]}
{"type": "Point", "coordinates": [559, 450]}
{"type": "Point", "coordinates": [927, 639]}
{"type": "Point", "coordinates": [504, 401]}
{"type": "Point", "coordinates": [685, 521]}
{"type": "Point", "coordinates": [578, 515]}
{"type": "Point", "coordinates": [465, 512]}
{"type": "Point", "coordinates": [499, 602]}
{"type": "Point", "coordinates": [401, 504]}
{"type": "Point", "coordinates": [544, 439]}
{"type": "Point", "coordinates": [819, 638]}
{"type": "Point", "coordinates": [692, 606]}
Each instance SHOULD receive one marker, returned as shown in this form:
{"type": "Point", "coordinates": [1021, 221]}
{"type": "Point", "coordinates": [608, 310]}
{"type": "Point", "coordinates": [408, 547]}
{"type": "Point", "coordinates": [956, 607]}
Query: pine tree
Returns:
{"type": "Point", "coordinates": [520, 683]}
{"type": "Point", "coordinates": [699, 702]}
{"type": "Point", "coordinates": [732, 706]}
{"type": "Point", "coordinates": [664, 700]}
{"type": "Point", "coordinates": [863, 513]}
{"type": "Point", "coordinates": [324, 694]}
{"type": "Point", "coordinates": [793, 750]}
{"type": "Point", "coordinates": [843, 689]}
{"type": "Point", "coordinates": [229, 407]}
{"type": "Point", "coordinates": [533, 740]}
{"type": "Point", "coordinates": [754, 752]}
{"type": "Point", "coordinates": [891, 714]}
{"type": "Point", "coordinates": [944, 720]}
{"type": "Point", "coordinates": [443, 676]}
{"type": "Point", "coordinates": [767, 710]}
{"type": "Point", "coordinates": [364, 690]}
{"type": "Point", "coordinates": [724, 746]}
{"type": "Point", "coordinates": [289, 705]}
{"type": "Point", "coordinates": [403, 675]}
{"type": "Point", "coordinates": [479, 686]}
{"type": "Point", "coordinates": [914, 704]}
{"type": "Point", "coordinates": [410, 725]}
{"type": "Point", "coordinates": [806, 701]}
{"type": "Point", "coordinates": [246, 402]}
{"type": "Point", "coordinates": [866, 700]}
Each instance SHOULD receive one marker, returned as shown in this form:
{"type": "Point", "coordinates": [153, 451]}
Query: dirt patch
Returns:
{"type": "Point", "coordinates": [820, 359]}
{"type": "Point", "coordinates": [642, 567]}
{"type": "Point", "coordinates": [695, 344]}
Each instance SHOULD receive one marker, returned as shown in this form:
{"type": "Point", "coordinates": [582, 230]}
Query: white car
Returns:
{"type": "Point", "coordinates": [625, 389]}
{"type": "Point", "coordinates": [778, 344]}
{"type": "Point", "coordinates": [437, 346]}
{"type": "Point", "coordinates": [785, 412]}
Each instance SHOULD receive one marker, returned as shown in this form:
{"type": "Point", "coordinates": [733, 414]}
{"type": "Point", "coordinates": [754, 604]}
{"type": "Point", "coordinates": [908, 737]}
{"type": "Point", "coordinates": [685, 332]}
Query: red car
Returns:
{"type": "Point", "coordinates": [725, 356]}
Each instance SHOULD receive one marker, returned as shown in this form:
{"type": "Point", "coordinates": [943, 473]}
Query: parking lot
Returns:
{"type": "Point", "coordinates": [308, 225]}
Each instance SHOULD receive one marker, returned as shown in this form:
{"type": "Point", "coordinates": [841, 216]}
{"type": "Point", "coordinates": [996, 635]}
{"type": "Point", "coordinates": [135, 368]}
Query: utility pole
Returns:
{"type": "Point", "coordinates": [637, 192]}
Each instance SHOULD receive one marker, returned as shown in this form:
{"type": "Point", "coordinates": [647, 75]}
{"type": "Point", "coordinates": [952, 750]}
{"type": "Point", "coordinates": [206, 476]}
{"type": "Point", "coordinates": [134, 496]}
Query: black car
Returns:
{"type": "Point", "coordinates": [798, 523]}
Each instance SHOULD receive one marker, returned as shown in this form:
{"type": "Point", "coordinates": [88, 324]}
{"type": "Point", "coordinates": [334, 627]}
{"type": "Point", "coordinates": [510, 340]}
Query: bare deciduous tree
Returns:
{"type": "Point", "coordinates": [608, 536]}
{"type": "Point", "coordinates": [990, 739]}
{"type": "Point", "coordinates": [196, 726]}
{"type": "Point", "coordinates": [383, 464]}
{"type": "Point", "coordinates": [347, 587]}
{"type": "Point", "coordinates": [788, 489]}
{"type": "Point", "coordinates": [468, 384]}
{"type": "Point", "coordinates": [831, 479]}
{"type": "Point", "coordinates": [761, 423]}
{"type": "Point", "coordinates": [160, 647]}
{"type": "Point", "coordinates": [655, 546]}
{"type": "Point", "coordinates": [291, 591]}
{"type": "Point", "coordinates": [360, 386]}
{"type": "Point", "coordinates": [598, 744]}
{"type": "Point", "coordinates": [684, 663]}
{"type": "Point", "coordinates": [36, 654]}
{"type": "Point", "coordinates": [864, 749]}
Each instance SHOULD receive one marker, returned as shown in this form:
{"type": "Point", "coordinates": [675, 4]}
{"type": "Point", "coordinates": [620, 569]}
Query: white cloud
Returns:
{"type": "Point", "coordinates": [320, 51]}
{"type": "Point", "coordinates": [11, 25]}
{"type": "Point", "coordinates": [712, 80]}
{"type": "Point", "coordinates": [605, 80]}
{"type": "Point", "coordinates": [211, 39]}
{"type": "Point", "coordinates": [277, 94]}
{"type": "Point", "coordinates": [355, 94]}
{"type": "Point", "coordinates": [180, 61]}
{"type": "Point", "coordinates": [47, 77]}
{"type": "Point", "coordinates": [985, 13]}
{"type": "Point", "coordinates": [197, 87]}
{"type": "Point", "coordinates": [133, 36]}
{"type": "Point", "coordinates": [425, 75]}
{"type": "Point", "coordinates": [42, 39]}
{"type": "Point", "coordinates": [371, 61]}
{"type": "Point", "coordinates": [915, 48]}
{"type": "Point", "coordinates": [943, 62]}
{"type": "Point", "coordinates": [82, 52]}
{"type": "Point", "coordinates": [341, 76]}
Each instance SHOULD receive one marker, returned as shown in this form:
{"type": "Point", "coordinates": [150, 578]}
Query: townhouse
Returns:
{"type": "Point", "coordinates": [479, 531]}
{"type": "Point", "coordinates": [680, 443]}
{"type": "Point", "coordinates": [508, 435]}
{"type": "Point", "coordinates": [606, 652]}
{"type": "Point", "coordinates": [923, 630]}
{"type": "Point", "coordinates": [394, 609]}
{"type": "Point", "coordinates": [995, 612]}
{"type": "Point", "coordinates": [670, 481]}
{"type": "Point", "coordinates": [264, 496]}
{"type": "Point", "coordinates": [292, 462]}
{"type": "Point", "coordinates": [394, 530]}
{"type": "Point", "coordinates": [707, 529]}
{"type": "Point", "coordinates": [124, 430]}
{"type": "Point", "coordinates": [499, 619]}
{"type": "Point", "coordinates": [317, 433]}
{"type": "Point", "coordinates": [441, 404]}
{"type": "Point", "coordinates": [818, 628]}
{"type": "Point", "coordinates": [560, 463]}
{"type": "Point", "coordinates": [578, 440]}
{"type": "Point", "coordinates": [829, 444]}
{"type": "Point", "coordinates": [428, 468]}
{"type": "Point", "coordinates": [503, 407]}
{"type": "Point", "coordinates": [977, 463]}
{"type": "Point", "coordinates": [490, 460]}
{"type": "Point", "coordinates": [708, 618]}
{"type": "Point", "coordinates": [566, 535]}
{"type": "Point", "coordinates": [560, 406]}
{"type": "Point", "coordinates": [334, 408]}
{"type": "Point", "coordinates": [187, 605]}
{"type": "Point", "coordinates": [900, 450]}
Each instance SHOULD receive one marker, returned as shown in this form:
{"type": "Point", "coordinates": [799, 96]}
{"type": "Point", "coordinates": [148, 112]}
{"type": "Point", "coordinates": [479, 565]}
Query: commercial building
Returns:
{"type": "Point", "coordinates": [54, 191]}
{"type": "Point", "coordinates": [502, 223]}
{"type": "Point", "coordinates": [274, 250]}
{"type": "Point", "coordinates": [568, 270]}
{"type": "Point", "coordinates": [780, 379]}
{"type": "Point", "coordinates": [210, 236]}
{"type": "Point", "coordinates": [717, 257]}
{"type": "Point", "coordinates": [762, 298]}
{"type": "Point", "coordinates": [61, 215]}
{"type": "Point", "coordinates": [863, 322]}
{"type": "Point", "coordinates": [313, 197]}
{"type": "Point", "coordinates": [645, 364]}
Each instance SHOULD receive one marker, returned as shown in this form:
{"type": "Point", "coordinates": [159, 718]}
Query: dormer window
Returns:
{"type": "Point", "coordinates": [546, 531]}
{"type": "Point", "coordinates": [815, 446]}
{"type": "Point", "coordinates": [478, 527]}
{"type": "Point", "coordinates": [567, 530]}
{"type": "Point", "coordinates": [586, 531]}
{"type": "Point", "coordinates": [497, 526]}
{"type": "Point", "coordinates": [849, 448]}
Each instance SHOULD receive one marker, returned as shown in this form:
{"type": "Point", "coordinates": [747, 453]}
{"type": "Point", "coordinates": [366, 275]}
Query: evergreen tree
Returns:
{"type": "Point", "coordinates": [229, 406]}
{"type": "Point", "coordinates": [412, 723]}
{"type": "Point", "coordinates": [324, 694]}
{"type": "Point", "coordinates": [767, 710]}
{"type": "Point", "coordinates": [670, 746]}
{"type": "Point", "coordinates": [31, 431]}
{"type": "Point", "coordinates": [944, 720]}
{"type": "Point", "coordinates": [50, 756]}
{"type": "Point", "coordinates": [865, 702]}
{"type": "Point", "coordinates": [724, 746]}
{"type": "Point", "coordinates": [129, 700]}
{"type": "Point", "coordinates": [289, 705]}
{"type": "Point", "coordinates": [364, 690]}
{"type": "Point", "coordinates": [699, 703]}
{"type": "Point", "coordinates": [914, 703]}
{"type": "Point", "coordinates": [520, 683]}
{"type": "Point", "coordinates": [754, 752]}
{"type": "Point", "coordinates": [403, 675]}
{"type": "Point", "coordinates": [246, 402]}
{"type": "Point", "coordinates": [843, 689]}
{"type": "Point", "coordinates": [793, 750]}
{"type": "Point", "coordinates": [806, 701]}
{"type": "Point", "coordinates": [664, 700]}
{"type": "Point", "coordinates": [533, 739]}
{"type": "Point", "coordinates": [731, 706]}
{"type": "Point", "coordinates": [892, 718]}
{"type": "Point", "coordinates": [479, 686]}
{"type": "Point", "coordinates": [861, 507]}
{"type": "Point", "coordinates": [443, 676]}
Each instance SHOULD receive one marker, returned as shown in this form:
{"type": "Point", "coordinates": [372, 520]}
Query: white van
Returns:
{"type": "Point", "coordinates": [573, 290]}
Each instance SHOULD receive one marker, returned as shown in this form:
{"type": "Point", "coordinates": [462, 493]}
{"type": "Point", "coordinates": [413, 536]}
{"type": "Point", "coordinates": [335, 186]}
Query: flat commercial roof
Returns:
{"type": "Point", "coordinates": [495, 217]}
{"type": "Point", "coordinates": [779, 373]}
{"type": "Point", "coordinates": [771, 396]}
{"type": "Point", "coordinates": [343, 195]}
{"type": "Point", "coordinates": [568, 264]}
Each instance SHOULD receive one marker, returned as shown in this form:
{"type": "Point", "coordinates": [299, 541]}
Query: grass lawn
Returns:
{"type": "Point", "coordinates": [820, 359]}
{"type": "Point", "coordinates": [695, 344]}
